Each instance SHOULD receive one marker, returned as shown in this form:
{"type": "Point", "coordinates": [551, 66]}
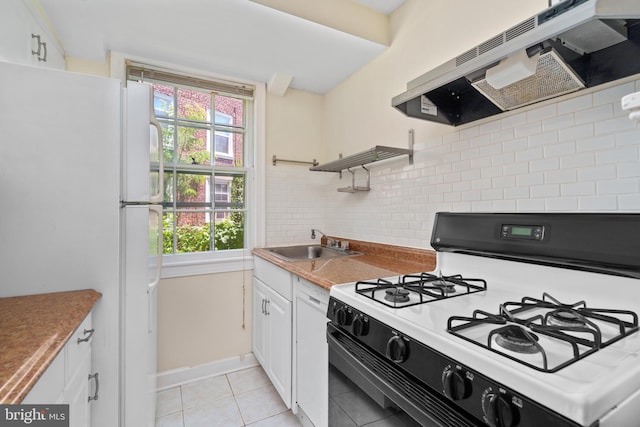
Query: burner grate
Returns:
{"type": "Point", "coordinates": [419, 288]}
{"type": "Point", "coordinates": [575, 326]}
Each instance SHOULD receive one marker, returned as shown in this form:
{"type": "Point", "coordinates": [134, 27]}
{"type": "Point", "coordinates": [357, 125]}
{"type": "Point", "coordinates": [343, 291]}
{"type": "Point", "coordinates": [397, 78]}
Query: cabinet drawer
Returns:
{"type": "Point", "coordinates": [78, 345]}
{"type": "Point", "coordinates": [275, 277]}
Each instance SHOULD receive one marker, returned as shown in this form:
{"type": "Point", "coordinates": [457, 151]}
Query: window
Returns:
{"type": "Point", "coordinates": [205, 167]}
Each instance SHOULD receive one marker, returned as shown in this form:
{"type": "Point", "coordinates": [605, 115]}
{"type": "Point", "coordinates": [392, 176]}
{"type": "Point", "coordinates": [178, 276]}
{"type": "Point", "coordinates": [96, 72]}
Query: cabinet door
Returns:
{"type": "Point", "coordinates": [260, 331]}
{"type": "Point", "coordinates": [279, 324]}
{"type": "Point", "coordinates": [77, 394]}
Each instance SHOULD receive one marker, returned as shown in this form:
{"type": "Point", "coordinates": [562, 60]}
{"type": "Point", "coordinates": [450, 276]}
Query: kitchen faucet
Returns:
{"type": "Point", "coordinates": [331, 243]}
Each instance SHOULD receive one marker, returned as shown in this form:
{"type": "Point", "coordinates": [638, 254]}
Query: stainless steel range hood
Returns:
{"type": "Point", "coordinates": [573, 45]}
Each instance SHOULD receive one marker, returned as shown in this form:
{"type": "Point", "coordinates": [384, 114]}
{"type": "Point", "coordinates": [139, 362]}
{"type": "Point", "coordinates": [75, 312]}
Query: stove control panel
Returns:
{"type": "Point", "coordinates": [526, 232]}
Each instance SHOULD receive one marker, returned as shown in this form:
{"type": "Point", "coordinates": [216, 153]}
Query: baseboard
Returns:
{"type": "Point", "coordinates": [180, 376]}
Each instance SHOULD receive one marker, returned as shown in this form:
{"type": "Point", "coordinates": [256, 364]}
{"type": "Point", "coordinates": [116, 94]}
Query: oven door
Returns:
{"type": "Point", "coordinates": [365, 387]}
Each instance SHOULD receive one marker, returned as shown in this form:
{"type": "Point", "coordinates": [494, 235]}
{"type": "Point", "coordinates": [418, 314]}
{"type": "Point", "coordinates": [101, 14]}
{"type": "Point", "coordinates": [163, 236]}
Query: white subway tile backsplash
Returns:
{"type": "Point", "coordinates": [470, 132]}
{"type": "Point", "coordinates": [629, 202]}
{"type": "Point", "coordinates": [558, 122]}
{"type": "Point", "coordinates": [576, 132]}
{"type": "Point", "coordinates": [614, 125]}
{"type": "Point", "coordinates": [543, 139]}
{"type": "Point", "coordinates": [627, 170]}
{"type": "Point", "coordinates": [530, 205]}
{"type": "Point", "coordinates": [560, 176]}
{"type": "Point", "coordinates": [613, 94]}
{"type": "Point", "coordinates": [578, 189]}
{"type": "Point", "coordinates": [563, 149]}
{"type": "Point", "coordinates": [578, 160]}
{"type": "Point", "coordinates": [561, 204]}
{"type": "Point", "coordinates": [515, 145]}
{"type": "Point", "coordinates": [598, 203]}
{"type": "Point", "coordinates": [622, 154]}
{"type": "Point", "coordinates": [532, 178]}
{"type": "Point", "coordinates": [597, 173]}
{"type": "Point", "coordinates": [595, 143]}
{"type": "Point", "coordinates": [514, 120]}
{"type": "Point", "coordinates": [575, 104]}
{"type": "Point", "coordinates": [546, 190]}
{"type": "Point", "coordinates": [528, 129]}
{"type": "Point", "coordinates": [516, 193]}
{"type": "Point", "coordinates": [631, 137]}
{"type": "Point", "coordinates": [544, 164]}
{"type": "Point", "coordinates": [516, 168]}
{"type": "Point", "coordinates": [579, 154]}
{"type": "Point", "coordinates": [601, 112]}
{"type": "Point", "coordinates": [503, 181]}
{"type": "Point", "coordinates": [530, 154]}
{"type": "Point", "coordinates": [619, 186]}
{"type": "Point", "coordinates": [541, 113]}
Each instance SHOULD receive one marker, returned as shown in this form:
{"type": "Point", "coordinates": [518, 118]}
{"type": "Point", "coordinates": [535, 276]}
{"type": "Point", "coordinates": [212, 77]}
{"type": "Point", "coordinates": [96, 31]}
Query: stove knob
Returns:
{"type": "Point", "coordinates": [498, 410]}
{"type": "Point", "coordinates": [360, 326]}
{"type": "Point", "coordinates": [397, 349]}
{"type": "Point", "coordinates": [455, 384]}
{"type": "Point", "coordinates": [343, 316]}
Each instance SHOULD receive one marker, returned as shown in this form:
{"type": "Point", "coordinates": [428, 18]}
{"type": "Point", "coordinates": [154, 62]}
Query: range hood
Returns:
{"type": "Point", "coordinates": [572, 45]}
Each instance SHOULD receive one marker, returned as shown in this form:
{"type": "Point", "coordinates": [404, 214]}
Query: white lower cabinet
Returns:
{"type": "Point", "coordinates": [68, 379]}
{"type": "Point", "coordinates": [312, 373]}
{"type": "Point", "coordinates": [272, 325]}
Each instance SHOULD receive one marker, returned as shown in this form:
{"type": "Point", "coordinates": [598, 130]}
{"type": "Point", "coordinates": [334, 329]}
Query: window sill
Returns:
{"type": "Point", "coordinates": [198, 264]}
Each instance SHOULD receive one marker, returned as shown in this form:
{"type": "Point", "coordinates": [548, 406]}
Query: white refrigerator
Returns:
{"type": "Point", "coordinates": [74, 150]}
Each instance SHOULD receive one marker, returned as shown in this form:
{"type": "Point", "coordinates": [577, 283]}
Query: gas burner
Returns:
{"type": "Point", "coordinates": [396, 294]}
{"type": "Point", "coordinates": [445, 286]}
{"type": "Point", "coordinates": [516, 339]}
{"type": "Point", "coordinates": [559, 334]}
{"type": "Point", "coordinates": [565, 318]}
{"type": "Point", "coordinates": [419, 288]}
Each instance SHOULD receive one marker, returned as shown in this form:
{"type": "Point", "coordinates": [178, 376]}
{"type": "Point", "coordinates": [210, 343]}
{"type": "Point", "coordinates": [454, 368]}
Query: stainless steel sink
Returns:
{"type": "Point", "coordinates": [293, 253]}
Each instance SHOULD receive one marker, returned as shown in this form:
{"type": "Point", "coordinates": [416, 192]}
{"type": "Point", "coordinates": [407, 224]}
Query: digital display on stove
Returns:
{"type": "Point", "coordinates": [521, 231]}
{"type": "Point", "coordinates": [528, 232]}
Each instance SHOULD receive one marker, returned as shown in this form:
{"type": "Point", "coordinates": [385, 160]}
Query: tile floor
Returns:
{"type": "Point", "coordinates": [242, 398]}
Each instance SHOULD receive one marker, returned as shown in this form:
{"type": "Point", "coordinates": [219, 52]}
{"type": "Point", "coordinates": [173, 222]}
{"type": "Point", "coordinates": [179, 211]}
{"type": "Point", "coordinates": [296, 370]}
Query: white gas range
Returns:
{"type": "Point", "coordinates": [541, 329]}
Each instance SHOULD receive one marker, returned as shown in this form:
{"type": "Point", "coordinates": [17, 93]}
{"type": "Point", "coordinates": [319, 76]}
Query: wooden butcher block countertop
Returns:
{"type": "Point", "coordinates": [33, 330]}
{"type": "Point", "coordinates": [377, 260]}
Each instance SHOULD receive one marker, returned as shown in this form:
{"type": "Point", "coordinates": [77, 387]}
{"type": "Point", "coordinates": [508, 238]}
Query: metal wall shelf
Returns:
{"type": "Point", "coordinates": [372, 155]}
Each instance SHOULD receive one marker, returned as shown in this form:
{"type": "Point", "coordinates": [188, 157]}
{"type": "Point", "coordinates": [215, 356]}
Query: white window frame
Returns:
{"type": "Point", "coordinates": [183, 265]}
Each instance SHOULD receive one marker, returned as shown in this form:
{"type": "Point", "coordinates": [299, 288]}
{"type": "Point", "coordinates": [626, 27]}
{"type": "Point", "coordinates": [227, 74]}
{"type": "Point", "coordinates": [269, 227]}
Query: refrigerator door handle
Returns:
{"type": "Point", "coordinates": [157, 209]}
{"type": "Point", "coordinates": [158, 197]}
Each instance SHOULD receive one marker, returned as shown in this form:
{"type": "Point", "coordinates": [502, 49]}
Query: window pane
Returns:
{"type": "Point", "coordinates": [193, 146]}
{"type": "Point", "coordinates": [163, 100]}
{"type": "Point", "coordinates": [193, 190]}
{"type": "Point", "coordinates": [193, 232]}
{"type": "Point", "coordinates": [169, 189]}
{"type": "Point", "coordinates": [167, 233]}
{"type": "Point", "coordinates": [230, 107]}
{"type": "Point", "coordinates": [229, 232]}
{"type": "Point", "coordinates": [229, 148]}
{"type": "Point", "coordinates": [229, 191]}
{"type": "Point", "coordinates": [168, 140]}
{"type": "Point", "coordinates": [194, 105]}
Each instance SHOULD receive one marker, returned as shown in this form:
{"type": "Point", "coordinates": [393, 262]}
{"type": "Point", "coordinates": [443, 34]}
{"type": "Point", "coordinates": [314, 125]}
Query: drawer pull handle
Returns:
{"type": "Point", "coordinates": [88, 333]}
{"type": "Point", "coordinates": [95, 395]}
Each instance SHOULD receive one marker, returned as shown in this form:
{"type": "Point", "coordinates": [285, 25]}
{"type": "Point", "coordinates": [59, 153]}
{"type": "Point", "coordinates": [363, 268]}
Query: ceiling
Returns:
{"type": "Point", "coordinates": [238, 38]}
